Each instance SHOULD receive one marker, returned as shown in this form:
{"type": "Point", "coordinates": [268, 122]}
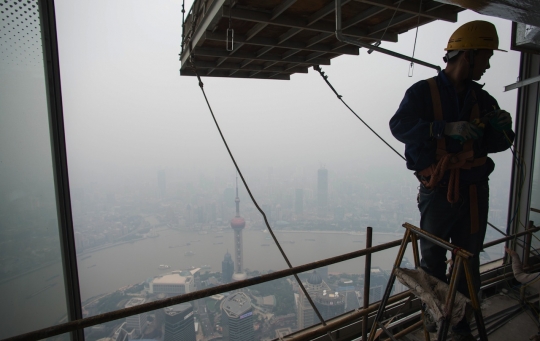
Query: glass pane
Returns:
{"type": "Point", "coordinates": [31, 278]}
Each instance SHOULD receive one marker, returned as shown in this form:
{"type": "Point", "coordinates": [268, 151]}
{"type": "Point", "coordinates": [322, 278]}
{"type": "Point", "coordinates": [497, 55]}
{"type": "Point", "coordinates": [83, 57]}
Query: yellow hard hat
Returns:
{"type": "Point", "coordinates": [474, 35]}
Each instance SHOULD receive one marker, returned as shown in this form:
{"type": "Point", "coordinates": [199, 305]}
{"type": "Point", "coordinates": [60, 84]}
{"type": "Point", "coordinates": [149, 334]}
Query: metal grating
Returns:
{"type": "Point", "coordinates": [274, 39]}
{"type": "Point", "coordinates": [20, 34]}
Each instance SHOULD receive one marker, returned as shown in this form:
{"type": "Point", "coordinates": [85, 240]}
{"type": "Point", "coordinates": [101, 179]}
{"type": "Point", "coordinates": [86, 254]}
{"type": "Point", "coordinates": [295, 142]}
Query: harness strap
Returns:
{"type": "Point", "coordinates": [453, 161]}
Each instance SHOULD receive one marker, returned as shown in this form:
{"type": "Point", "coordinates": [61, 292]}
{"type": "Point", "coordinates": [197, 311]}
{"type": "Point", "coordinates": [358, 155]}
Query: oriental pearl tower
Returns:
{"type": "Point", "coordinates": [238, 223]}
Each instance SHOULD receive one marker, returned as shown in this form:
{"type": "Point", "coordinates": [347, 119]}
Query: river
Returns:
{"type": "Point", "coordinates": [108, 269]}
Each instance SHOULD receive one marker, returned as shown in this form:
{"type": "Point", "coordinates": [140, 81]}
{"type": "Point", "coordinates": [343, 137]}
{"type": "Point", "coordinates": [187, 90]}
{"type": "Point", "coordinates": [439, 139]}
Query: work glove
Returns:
{"type": "Point", "coordinates": [501, 120]}
{"type": "Point", "coordinates": [462, 131]}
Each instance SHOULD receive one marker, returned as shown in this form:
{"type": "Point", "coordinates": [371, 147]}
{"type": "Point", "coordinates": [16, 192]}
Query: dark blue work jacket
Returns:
{"type": "Point", "coordinates": [411, 125]}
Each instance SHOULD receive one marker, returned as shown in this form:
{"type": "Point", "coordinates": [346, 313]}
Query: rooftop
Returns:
{"type": "Point", "coordinates": [236, 305]}
{"type": "Point", "coordinates": [172, 278]}
{"type": "Point", "coordinates": [135, 301]}
{"type": "Point", "coordinates": [177, 309]}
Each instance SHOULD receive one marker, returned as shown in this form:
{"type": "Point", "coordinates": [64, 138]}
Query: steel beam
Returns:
{"type": "Point", "coordinates": [200, 64]}
{"type": "Point", "coordinates": [226, 73]}
{"type": "Point", "coordinates": [413, 7]}
{"type": "Point", "coordinates": [282, 8]}
{"type": "Point", "coordinates": [263, 41]}
{"type": "Point", "coordinates": [51, 63]}
{"type": "Point", "coordinates": [362, 16]}
{"type": "Point", "coordinates": [390, 23]}
{"type": "Point", "coordinates": [344, 39]}
{"type": "Point", "coordinates": [260, 26]}
{"type": "Point", "coordinates": [261, 17]}
{"type": "Point", "coordinates": [208, 52]}
{"type": "Point", "coordinates": [207, 19]}
{"type": "Point", "coordinates": [323, 12]}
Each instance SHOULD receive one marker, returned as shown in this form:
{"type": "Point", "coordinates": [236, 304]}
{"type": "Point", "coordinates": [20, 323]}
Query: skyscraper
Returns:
{"type": "Point", "coordinates": [179, 323]}
{"type": "Point", "coordinates": [306, 315]}
{"type": "Point", "coordinates": [136, 323]}
{"type": "Point", "coordinates": [322, 192]}
{"type": "Point", "coordinates": [227, 268]}
{"type": "Point", "coordinates": [299, 201]}
{"type": "Point", "coordinates": [238, 223]}
{"type": "Point", "coordinates": [237, 318]}
{"type": "Point", "coordinates": [161, 183]}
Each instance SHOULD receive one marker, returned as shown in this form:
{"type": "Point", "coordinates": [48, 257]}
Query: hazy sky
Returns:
{"type": "Point", "coordinates": [129, 113]}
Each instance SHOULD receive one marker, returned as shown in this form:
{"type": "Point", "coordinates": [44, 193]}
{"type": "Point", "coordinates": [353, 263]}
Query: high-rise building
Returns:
{"type": "Point", "coordinates": [299, 201]}
{"type": "Point", "coordinates": [136, 323]}
{"type": "Point", "coordinates": [329, 304]}
{"type": "Point", "coordinates": [227, 268]}
{"type": "Point", "coordinates": [322, 192]}
{"type": "Point", "coordinates": [175, 283]}
{"type": "Point", "coordinates": [306, 316]}
{"type": "Point", "coordinates": [162, 185]}
{"type": "Point", "coordinates": [179, 323]}
{"type": "Point", "coordinates": [237, 318]}
{"type": "Point", "coordinates": [238, 223]}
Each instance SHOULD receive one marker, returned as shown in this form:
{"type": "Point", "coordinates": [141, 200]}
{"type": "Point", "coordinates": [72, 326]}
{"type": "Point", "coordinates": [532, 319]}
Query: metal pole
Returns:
{"type": "Point", "coordinates": [438, 241]}
{"type": "Point", "coordinates": [510, 237]}
{"type": "Point", "coordinates": [443, 331]}
{"type": "Point", "coordinates": [416, 253]}
{"type": "Point", "coordinates": [386, 295]}
{"type": "Point", "coordinates": [344, 39]}
{"type": "Point", "coordinates": [528, 240]}
{"type": "Point", "coordinates": [51, 64]}
{"type": "Point", "coordinates": [474, 302]}
{"type": "Point", "coordinates": [367, 281]}
{"type": "Point", "coordinates": [346, 319]}
{"type": "Point", "coordinates": [409, 329]}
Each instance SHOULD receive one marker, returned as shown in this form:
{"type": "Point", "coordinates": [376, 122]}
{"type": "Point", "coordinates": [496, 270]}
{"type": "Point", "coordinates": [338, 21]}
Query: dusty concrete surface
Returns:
{"type": "Point", "coordinates": [520, 326]}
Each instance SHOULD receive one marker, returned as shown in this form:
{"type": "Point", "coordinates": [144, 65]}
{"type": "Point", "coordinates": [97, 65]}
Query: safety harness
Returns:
{"type": "Point", "coordinates": [432, 175]}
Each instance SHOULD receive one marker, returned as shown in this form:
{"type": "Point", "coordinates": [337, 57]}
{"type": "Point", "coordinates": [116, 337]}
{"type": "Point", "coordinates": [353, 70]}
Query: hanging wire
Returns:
{"type": "Point", "coordinates": [325, 77]}
{"type": "Point", "coordinates": [230, 31]}
{"type": "Point", "coordinates": [411, 66]}
{"type": "Point", "coordinates": [391, 19]}
{"type": "Point", "coordinates": [300, 284]}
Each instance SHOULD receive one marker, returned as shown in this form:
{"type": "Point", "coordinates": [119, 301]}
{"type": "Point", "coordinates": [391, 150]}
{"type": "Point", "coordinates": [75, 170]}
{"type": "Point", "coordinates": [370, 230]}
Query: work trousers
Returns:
{"type": "Point", "coordinates": [452, 222]}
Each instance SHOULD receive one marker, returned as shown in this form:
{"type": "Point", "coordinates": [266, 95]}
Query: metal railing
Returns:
{"type": "Point", "coordinates": [332, 325]}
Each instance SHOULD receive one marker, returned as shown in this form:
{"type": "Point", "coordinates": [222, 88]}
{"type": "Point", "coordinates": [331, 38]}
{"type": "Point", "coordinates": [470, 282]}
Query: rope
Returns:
{"type": "Point", "coordinates": [411, 67]}
{"type": "Point", "coordinates": [325, 77]}
{"type": "Point", "coordinates": [201, 85]}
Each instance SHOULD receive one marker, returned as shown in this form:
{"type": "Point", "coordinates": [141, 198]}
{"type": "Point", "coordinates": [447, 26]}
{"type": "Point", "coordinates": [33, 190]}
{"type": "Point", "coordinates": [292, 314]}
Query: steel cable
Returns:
{"type": "Point", "coordinates": [325, 77]}
{"type": "Point", "coordinates": [301, 285]}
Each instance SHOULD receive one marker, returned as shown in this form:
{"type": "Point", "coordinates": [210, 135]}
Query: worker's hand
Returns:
{"type": "Point", "coordinates": [510, 252]}
{"type": "Point", "coordinates": [501, 120]}
{"type": "Point", "coordinates": [462, 131]}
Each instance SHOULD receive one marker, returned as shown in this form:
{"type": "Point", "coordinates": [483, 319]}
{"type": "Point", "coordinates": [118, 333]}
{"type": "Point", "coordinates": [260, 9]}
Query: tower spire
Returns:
{"type": "Point", "coordinates": [237, 200]}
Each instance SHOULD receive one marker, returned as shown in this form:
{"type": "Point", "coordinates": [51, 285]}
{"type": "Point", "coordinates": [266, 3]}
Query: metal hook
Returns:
{"type": "Point", "coordinates": [230, 32]}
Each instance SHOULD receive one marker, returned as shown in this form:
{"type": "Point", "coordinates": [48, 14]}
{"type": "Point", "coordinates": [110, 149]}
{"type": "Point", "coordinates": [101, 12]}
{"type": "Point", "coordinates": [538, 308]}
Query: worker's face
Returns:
{"type": "Point", "coordinates": [481, 63]}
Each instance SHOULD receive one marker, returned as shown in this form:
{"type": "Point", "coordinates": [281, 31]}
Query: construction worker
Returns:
{"type": "Point", "coordinates": [448, 125]}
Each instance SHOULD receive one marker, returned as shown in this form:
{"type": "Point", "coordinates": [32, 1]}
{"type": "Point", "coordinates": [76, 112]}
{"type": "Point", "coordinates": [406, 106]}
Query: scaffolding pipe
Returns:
{"type": "Point", "coordinates": [510, 237]}
{"type": "Point", "coordinates": [528, 240]}
{"type": "Point", "coordinates": [344, 39]}
{"type": "Point", "coordinates": [438, 241]}
{"type": "Point", "coordinates": [367, 281]}
{"type": "Point", "coordinates": [345, 319]}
